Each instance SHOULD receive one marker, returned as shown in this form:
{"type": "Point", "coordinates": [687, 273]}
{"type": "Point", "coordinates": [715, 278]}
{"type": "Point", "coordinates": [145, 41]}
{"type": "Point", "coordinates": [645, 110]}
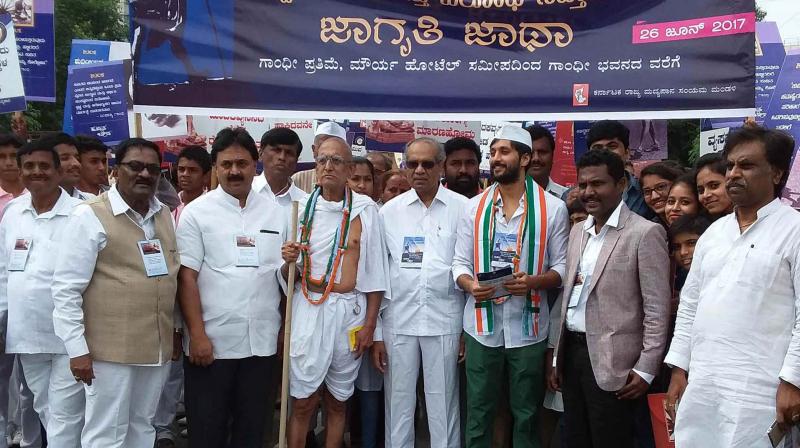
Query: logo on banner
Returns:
{"type": "Point", "coordinates": [580, 95]}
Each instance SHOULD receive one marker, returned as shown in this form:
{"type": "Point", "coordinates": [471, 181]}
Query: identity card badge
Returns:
{"type": "Point", "coordinates": [155, 265]}
{"type": "Point", "coordinates": [19, 255]}
{"type": "Point", "coordinates": [246, 251]}
{"type": "Point", "coordinates": [413, 248]}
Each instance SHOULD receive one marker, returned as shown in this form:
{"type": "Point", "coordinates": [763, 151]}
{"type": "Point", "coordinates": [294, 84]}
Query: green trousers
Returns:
{"type": "Point", "coordinates": [487, 367]}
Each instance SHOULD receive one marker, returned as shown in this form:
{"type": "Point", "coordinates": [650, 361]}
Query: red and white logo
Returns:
{"type": "Point", "coordinates": [580, 95]}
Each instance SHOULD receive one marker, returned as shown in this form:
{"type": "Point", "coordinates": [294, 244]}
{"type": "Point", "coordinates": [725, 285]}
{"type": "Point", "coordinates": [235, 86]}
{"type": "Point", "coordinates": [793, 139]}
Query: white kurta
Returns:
{"type": "Point", "coordinates": [738, 331]}
{"type": "Point", "coordinates": [320, 341]}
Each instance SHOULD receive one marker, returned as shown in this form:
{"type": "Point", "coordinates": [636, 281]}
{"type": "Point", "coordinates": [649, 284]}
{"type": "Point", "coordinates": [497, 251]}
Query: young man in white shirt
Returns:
{"type": "Point", "coordinates": [514, 233]}
{"type": "Point", "coordinates": [422, 323]}
{"type": "Point", "coordinates": [542, 155]}
{"type": "Point", "coordinates": [229, 241]}
{"type": "Point", "coordinates": [737, 335]}
{"type": "Point", "coordinates": [336, 300]}
{"type": "Point", "coordinates": [280, 150]}
{"type": "Point", "coordinates": [32, 227]}
{"type": "Point", "coordinates": [67, 148]}
{"type": "Point", "coordinates": [114, 291]}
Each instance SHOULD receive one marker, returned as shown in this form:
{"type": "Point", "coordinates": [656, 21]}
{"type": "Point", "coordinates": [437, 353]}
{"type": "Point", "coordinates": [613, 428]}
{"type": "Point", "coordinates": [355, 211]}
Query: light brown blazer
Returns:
{"type": "Point", "coordinates": [628, 307]}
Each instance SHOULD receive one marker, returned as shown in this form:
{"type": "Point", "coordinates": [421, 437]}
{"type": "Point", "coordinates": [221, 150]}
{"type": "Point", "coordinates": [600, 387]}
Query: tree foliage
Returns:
{"type": "Point", "coordinates": [74, 19]}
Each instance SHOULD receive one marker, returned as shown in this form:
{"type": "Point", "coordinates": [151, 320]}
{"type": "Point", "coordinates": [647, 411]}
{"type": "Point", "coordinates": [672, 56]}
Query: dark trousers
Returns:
{"type": "Point", "coordinates": [229, 400]}
{"type": "Point", "coordinates": [594, 418]}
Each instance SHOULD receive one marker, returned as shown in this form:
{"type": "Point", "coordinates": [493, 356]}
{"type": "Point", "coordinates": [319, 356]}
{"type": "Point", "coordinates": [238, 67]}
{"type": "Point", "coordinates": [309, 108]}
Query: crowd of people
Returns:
{"type": "Point", "coordinates": [508, 311]}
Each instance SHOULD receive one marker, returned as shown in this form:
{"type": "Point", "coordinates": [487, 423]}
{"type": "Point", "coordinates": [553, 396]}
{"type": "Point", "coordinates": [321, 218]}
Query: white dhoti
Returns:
{"type": "Point", "coordinates": [439, 358]}
{"type": "Point", "coordinates": [320, 342]}
{"type": "Point", "coordinates": [320, 346]}
{"type": "Point", "coordinates": [120, 405]}
{"type": "Point", "coordinates": [57, 397]}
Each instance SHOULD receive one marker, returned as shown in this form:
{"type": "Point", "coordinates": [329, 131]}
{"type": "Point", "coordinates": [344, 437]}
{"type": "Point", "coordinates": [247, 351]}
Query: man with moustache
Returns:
{"type": "Point", "coordinates": [280, 150]}
{"type": "Point", "coordinates": [462, 167]}
{"type": "Point", "coordinates": [229, 241]}
{"type": "Point", "coordinates": [114, 290]}
{"type": "Point", "coordinates": [422, 323]}
{"type": "Point", "coordinates": [67, 148]}
{"type": "Point", "coordinates": [542, 154]}
{"type": "Point", "coordinates": [94, 165]}
{"type": "Point", "coordinates": [30, 233]}
{"type": "Point", "coordinates": [342, 278]}
{"type": "Point", "coordinates": [737, 334]}
{"type": "Point", "coordinates": [608, 338]}
{"type": "Point", "coordinates": [512, 227]}
{"type": "Point", "coordinates": [307, 180]}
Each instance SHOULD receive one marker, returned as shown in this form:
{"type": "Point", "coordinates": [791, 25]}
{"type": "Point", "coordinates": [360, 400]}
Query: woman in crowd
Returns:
{"type": "Point", "coordinates": [656, 180]}
{"type": "Point", "coordinates": [710, 180]}
{"type": "Point", "coordinates": [682, 199]}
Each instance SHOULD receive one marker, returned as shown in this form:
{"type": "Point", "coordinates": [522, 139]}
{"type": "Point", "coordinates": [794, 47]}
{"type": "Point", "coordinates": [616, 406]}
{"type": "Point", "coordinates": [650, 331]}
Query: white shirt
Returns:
{"type": "Point", "coordinates": [285, 199]}
{"type": "Point", "coordinates": [424, 301]}
{"type": "Point", "coordinates": [738, 330]}
{"type": "Point", "coordinates": [508, 316]}
{"type": "Point", "coordinates": [83, 196]}
{"type": "Point", "coordinates": [240, 304]}
{"type": "Point", "coordinates": [84, 237]}
{"type": "Point", "coordinates": [576, 315]}
{"type": "Point", "coordinates": [25, 295]}
{"type": "Point", "coordinates": [555, 189]}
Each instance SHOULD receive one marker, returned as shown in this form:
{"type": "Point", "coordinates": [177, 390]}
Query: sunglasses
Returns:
{"type": "Point", "coordinates": [427, 165]}
{"type": "Point", "coordinates": [138, 167]}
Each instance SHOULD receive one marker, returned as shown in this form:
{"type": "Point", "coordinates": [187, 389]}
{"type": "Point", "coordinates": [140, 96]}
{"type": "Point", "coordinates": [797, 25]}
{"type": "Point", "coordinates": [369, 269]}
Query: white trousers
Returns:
{"type": "Point", "coordinates": [57, 397]}
{"type": "Point", "coordinates": [439, 358]}
{"type": "Point", "coordinates": [120, 405]}
{"type": "Point", "coordinates": [16, 404]}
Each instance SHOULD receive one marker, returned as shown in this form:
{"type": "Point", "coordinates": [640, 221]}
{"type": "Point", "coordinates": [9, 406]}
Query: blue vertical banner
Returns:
{"type": "Point", "coordinates": [784, 114]}
{"type": "Point", "coordinates": [87, 52]}
{"type": "Point", "coordinates": [100, 100]}
{"type": "Point", "coordinates": [770, 54]}
{"type": "Point", "coordinates": [12, 91]}
{"type": "Point", "coordinates": [34, 23]}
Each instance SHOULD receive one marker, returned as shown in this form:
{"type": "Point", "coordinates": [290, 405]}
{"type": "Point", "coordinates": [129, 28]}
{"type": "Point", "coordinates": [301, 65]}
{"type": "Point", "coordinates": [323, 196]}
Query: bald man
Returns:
{"type": "Point", "coordinates": [342, 277]}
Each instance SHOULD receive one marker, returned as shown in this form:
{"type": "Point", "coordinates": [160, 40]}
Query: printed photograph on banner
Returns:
{"type": "Point", "coordinates": [21, 11]}
{"type": "Point", "coordinates": [161, 126]}
{"type": "Point", "coordinates": [791, 194]}
{"type": "Point", "coordinates": [648, 139]}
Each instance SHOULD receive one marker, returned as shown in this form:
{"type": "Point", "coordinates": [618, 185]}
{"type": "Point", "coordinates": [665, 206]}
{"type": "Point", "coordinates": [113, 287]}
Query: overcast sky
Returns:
{"type": "Point", "coordinates": [787, 14]}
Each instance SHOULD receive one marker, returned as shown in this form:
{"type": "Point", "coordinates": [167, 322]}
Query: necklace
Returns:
{"type": "Point", "coordinates": [338, 247]}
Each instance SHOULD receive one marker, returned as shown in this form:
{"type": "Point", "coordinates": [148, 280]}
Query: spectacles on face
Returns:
{"type": "Point", "coordinates": [661, 189]}
{"type": "Point", "coordinates": [137, 167]}
{"type": "Point", "coordinates": [427, 165]}
{"type": "Point", "coordinates": [335, 160]}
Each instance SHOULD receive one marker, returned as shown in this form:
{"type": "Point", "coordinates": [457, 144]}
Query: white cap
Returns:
{"type": "Point", "coordinates": [331, 128]}
{"type": "Point", "coordinates": [515, 134]}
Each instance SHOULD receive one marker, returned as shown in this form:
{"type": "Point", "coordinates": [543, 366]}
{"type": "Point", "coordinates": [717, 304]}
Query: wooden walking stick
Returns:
{"type": "Point", "coordinates": [287, 337]}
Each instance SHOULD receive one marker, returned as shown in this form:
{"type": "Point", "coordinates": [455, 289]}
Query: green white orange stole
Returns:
{"type": "Point", "coordinates": [533, 228]}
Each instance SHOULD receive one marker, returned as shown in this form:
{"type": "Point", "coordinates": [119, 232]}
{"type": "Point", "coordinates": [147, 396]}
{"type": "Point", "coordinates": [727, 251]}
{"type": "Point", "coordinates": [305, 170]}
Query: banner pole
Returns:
{"type": "Point", "coordinates": [287, 337]}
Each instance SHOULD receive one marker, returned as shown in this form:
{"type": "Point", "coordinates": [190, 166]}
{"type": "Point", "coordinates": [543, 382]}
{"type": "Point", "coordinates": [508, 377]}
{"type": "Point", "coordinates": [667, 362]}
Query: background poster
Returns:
{"type": "Point", "coordinates": [12, 91]}
{"type": "Point", "coordinates": [100, 100]}
{"type": "Point", "coordinates": [784, 114]}
{"type": "Point", "coordinates": [34, 24]}
{"type": "Point", "coordinates": [438, 60]}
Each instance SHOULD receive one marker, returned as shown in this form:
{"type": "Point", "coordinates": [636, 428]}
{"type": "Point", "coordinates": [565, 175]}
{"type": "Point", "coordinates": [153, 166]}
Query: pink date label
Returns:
{"type": "Point", "coordinates": [644, 33]}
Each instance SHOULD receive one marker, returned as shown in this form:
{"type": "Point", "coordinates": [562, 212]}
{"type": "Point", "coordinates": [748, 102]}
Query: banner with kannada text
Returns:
{"type": "Point", "coordinates": [35, 27]}
{"type": "Point", "coordinates": [504, 60]}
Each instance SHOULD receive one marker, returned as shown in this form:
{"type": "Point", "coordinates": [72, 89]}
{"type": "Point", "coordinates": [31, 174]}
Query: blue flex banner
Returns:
{"type": "Point", "coordinates": [447, 59]}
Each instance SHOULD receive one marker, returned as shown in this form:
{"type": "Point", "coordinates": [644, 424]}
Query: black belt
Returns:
{"type": "Point", "coordinates": [578, 338]}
